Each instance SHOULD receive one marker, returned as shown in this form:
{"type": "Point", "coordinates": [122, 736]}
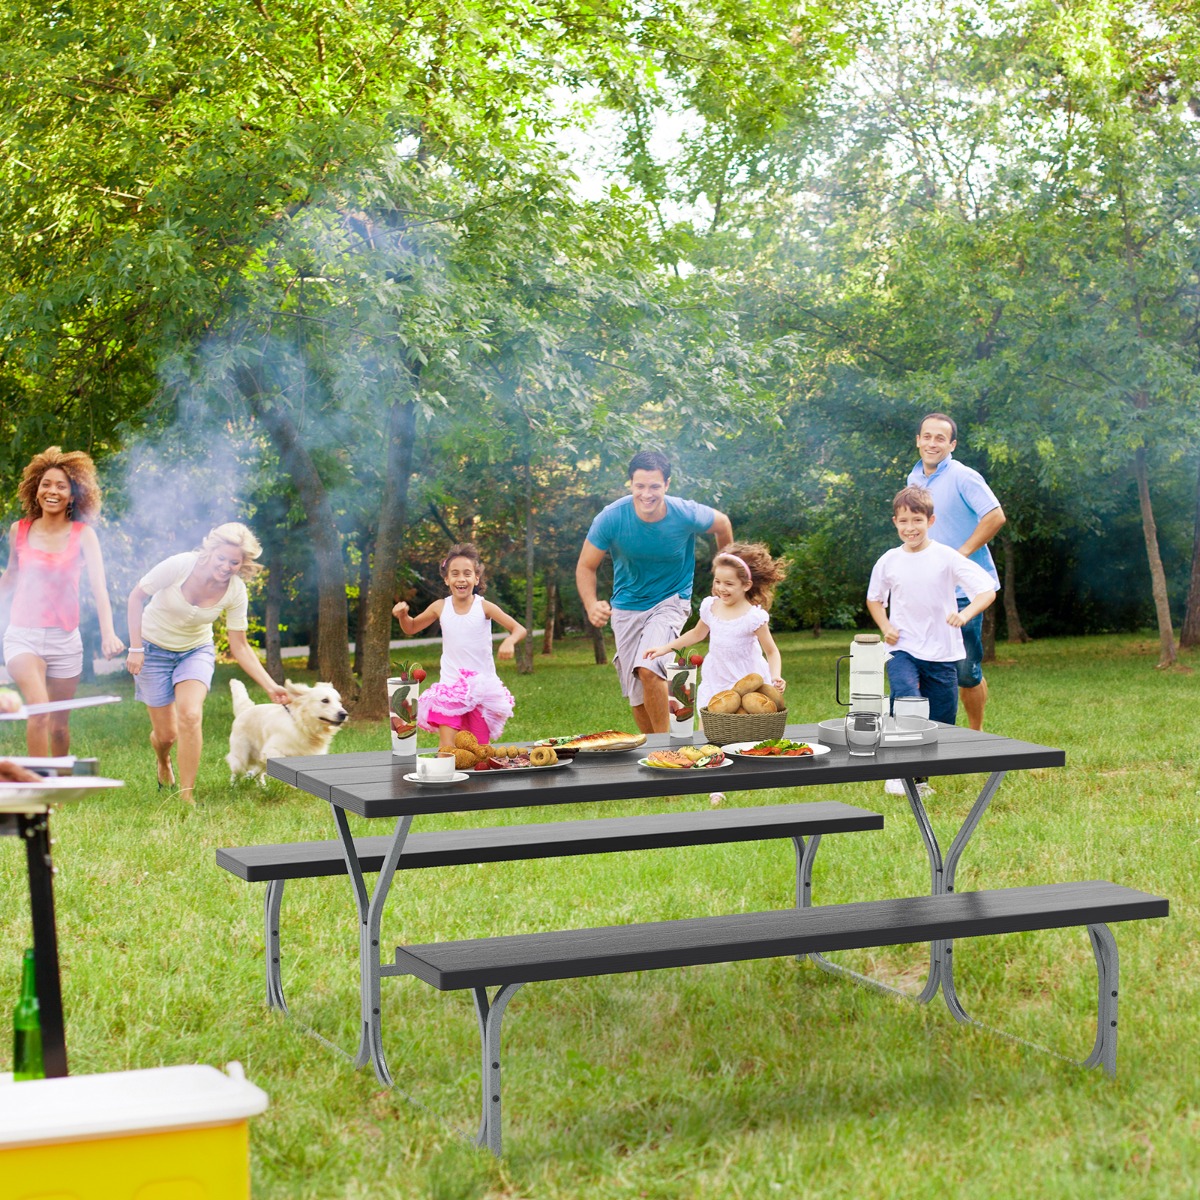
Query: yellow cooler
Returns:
{"type": "Point", "coordinates": [169, 1133]}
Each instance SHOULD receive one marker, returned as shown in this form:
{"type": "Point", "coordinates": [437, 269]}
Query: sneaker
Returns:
{"type": "Point", "coordinates": [895, 787]}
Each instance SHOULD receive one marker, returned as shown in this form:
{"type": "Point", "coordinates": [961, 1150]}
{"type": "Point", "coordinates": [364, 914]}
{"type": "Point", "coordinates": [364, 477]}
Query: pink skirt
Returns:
{"type": "Point", "coordinates": [471, 701]}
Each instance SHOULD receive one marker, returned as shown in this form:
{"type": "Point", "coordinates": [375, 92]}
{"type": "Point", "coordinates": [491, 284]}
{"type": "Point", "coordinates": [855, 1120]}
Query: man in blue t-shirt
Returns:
{"type": "Point", "coordinates": [651, 538]}
{"type": "Point", "coordinates": [968, 517]}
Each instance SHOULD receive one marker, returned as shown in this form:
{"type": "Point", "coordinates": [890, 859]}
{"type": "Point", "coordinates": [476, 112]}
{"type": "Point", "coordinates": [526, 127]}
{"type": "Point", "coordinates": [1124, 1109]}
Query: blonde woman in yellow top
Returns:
{"type": "Point", "coordinates": [171, 652]}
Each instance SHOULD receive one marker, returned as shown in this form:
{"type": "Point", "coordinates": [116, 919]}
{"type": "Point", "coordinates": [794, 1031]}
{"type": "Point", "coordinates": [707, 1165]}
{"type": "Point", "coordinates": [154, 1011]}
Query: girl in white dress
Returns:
{"type": "Point", "coordinates": [734, 619]}
{"type": "Point", "coordinates": [469, 694]}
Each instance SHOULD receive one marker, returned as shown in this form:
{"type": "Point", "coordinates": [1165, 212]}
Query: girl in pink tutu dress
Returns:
{"type": "Point", "coordinates": [469, 694]}
{"type": "Point", "coordinates": [734, 619]}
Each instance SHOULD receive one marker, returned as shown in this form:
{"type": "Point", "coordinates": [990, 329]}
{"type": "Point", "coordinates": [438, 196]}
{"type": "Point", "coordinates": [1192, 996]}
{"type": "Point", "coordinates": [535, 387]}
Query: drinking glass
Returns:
{"type": "Point", "coordinates": [864, 732]}
{"type": "Point", "coordinates": [910, 706]}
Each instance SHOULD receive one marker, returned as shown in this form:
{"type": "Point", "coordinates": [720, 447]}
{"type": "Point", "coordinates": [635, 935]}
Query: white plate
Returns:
{"type": "Point", "coordinates": [54, 789]}
{"type": "Point", "coordinates": [645, 762]}
{"type": "Point", "coordinates": [554, 766]}
{"type": "Point", "coordinates": [738, 750]}
{"type": "Point", "coordinates": [457, 777]}
{"type": "Point", "coordinates": [635, 745]}
{"type": "Point", "coordinates": [51, 706]}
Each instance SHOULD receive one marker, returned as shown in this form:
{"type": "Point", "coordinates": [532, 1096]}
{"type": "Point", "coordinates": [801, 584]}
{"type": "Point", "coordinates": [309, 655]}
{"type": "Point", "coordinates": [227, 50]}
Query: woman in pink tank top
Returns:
{"type": "Point", "coordinates": [49, 548]}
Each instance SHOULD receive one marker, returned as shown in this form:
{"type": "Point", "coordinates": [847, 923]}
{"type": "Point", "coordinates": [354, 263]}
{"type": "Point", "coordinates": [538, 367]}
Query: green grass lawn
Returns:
{"type": "Point", "coordinates": [760, 1079]}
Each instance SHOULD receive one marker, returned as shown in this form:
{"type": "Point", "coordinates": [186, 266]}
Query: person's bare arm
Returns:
{"type": "Point", "coordinates": [697, 633]}
{"type": "Point", "coordinates": [93, 560]}
{"type": "Point", "coordinates": [977, 605]}
{"type": "Point", "coordinates": [771, 653]}
{"type": "Point", "coordinates": [516, 631]}
{"type": "Point", "coordinates": [8, 581]}
{"type": "Point", "coordinates": [410, 624]}
{"type": "Point", "coordinates": [989, 525]}
{"type": "Point", "coordinates": [136, 657]}
{"type": "Point", "coordinates": [247, 658]}
{"type": "Point", "coordinates": [891, 635]}
{"type": "Point", "coordinates": [721, 530]}
{"type": "Point", "coordinates": [586, 575]}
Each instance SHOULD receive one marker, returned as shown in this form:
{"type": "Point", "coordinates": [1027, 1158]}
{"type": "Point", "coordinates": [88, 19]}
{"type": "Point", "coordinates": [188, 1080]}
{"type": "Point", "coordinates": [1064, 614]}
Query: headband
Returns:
{"type": "Point", "coordinates": [740, 562]}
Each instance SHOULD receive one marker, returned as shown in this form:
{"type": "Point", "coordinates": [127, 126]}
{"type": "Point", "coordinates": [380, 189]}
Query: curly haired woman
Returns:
{"type": "Point", "coordinates": [49, 548]}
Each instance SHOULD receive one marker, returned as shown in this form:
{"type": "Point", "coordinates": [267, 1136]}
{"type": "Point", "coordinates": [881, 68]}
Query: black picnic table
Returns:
{"type": "Point", "coordinates": [372, 785]}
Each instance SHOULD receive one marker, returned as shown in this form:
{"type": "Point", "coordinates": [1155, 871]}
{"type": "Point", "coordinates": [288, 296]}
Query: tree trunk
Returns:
{"type": "Point", "coordinates": [274, 605]}
{"type": "Point", "coordinates": [525, 652]}
{"type": "Point", "coordinates": [314, 630]}
{"type": "Point", "coordinates": [551, 621]}
{"type": "Point", "coordinates": [332, 619]}
{"type": "Point", "coordinates": [1189, 635]}
{"type": "Point", "coordinates": [360, 613]}
{"type": "Point", "coordinates": [1158, 577]}
{"type": "Point", "coordinates": [1008, 593]}
{"type": "Point", "coordinates": [389, 541]}
{"type": "Point", "coordinates": [599, 649]}
{"type": "Point", "coordinates": [989, 634]}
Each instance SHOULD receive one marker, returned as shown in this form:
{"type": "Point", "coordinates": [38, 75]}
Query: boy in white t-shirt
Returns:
{"type": "Point", "coordinates": [911, 597]}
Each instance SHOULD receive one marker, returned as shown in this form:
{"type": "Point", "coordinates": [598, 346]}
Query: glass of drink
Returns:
{"type": "Point", "coordinates": [864, 732]}
{"type": "Point", "coordinates": [402, 704]}
{"type": "Point", "coordinates": [910, 707]}
{"type": "Point", "coordinates": [681, 696]}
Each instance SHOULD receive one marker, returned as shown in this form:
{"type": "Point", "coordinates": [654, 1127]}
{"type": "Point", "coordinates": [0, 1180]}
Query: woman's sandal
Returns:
{"type": "Point", "coordinates": [187, 795]}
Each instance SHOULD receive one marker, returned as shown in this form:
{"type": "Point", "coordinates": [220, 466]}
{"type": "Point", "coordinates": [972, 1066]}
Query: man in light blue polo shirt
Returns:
{"type": "Point", "coordinates": [652, 540]}
{"type": "Point", "coordinates": [968, 517]}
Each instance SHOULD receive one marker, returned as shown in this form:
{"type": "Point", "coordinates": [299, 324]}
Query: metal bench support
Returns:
{"type": "Point", "coordinates": [491, 1014]}
{"type": "Point", "coordinates": [275, 997]}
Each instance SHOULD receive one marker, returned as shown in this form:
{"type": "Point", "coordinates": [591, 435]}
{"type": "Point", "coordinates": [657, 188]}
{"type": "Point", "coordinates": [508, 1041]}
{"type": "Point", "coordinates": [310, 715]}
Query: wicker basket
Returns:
{"type": "Point", "coordinates": [723, 728]}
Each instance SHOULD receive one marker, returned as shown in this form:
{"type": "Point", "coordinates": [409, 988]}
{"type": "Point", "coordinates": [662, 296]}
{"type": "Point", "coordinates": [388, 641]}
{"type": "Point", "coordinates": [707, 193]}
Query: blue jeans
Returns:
{"type": "Point", "coordinates": [970, 669]}
{"type": "Point", "coordinates": [936, 681]}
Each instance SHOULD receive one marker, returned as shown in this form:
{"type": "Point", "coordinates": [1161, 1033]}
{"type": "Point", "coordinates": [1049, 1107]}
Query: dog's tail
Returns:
{"type": "Point", "coordinates": [241, 698]}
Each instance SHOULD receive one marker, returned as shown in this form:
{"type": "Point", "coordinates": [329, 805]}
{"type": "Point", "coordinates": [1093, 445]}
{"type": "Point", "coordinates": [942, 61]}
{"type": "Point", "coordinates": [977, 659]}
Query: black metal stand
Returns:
{"type": "Point", "coordinates": [34, 830]}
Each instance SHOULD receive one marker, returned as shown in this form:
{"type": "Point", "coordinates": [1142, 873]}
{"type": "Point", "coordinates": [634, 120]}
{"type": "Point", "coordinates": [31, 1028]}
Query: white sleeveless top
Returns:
{"type": "Point", "coordinates": [466, 640]}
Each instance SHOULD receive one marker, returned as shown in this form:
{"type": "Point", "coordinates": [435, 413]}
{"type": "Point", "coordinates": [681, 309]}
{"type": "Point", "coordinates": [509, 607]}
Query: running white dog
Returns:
{"type": "Point", "coordinates": [305, 725]}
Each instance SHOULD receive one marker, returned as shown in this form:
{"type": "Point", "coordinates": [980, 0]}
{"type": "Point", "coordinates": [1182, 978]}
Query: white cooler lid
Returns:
{"type": "Point", "coordinates": [78, 1107]}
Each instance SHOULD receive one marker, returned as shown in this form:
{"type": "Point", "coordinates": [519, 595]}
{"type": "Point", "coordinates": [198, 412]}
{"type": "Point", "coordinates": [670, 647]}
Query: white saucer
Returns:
{"type": "Point", "coordinates": [457, 777]}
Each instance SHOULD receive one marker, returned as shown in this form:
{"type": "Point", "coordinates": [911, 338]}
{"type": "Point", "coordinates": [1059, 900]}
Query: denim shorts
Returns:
{"type": "Point", "coordinates": [163, 669]}
{"type": "Point", "coordinates": [970, 669]}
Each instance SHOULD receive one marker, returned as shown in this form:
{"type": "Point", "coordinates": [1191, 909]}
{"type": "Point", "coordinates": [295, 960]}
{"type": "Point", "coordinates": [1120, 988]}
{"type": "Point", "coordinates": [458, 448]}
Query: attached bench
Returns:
{"type": "Point", "coordinates": [275, 865]}
{"type": "Point", "coordinates": [507, 963]}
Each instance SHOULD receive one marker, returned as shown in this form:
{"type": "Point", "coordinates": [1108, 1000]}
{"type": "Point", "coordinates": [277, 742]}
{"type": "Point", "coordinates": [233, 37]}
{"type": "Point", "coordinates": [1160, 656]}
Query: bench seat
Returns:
{"type": "Point", "coordinates": [504, 843]}
{"type": "Point", "coordinates": [276, 864]}
{"type": "Point", "coordinates": [509, 962]}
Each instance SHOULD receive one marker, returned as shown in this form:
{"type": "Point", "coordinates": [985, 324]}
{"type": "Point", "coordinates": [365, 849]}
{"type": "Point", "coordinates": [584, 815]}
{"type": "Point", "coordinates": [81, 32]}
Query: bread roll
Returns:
{"type": "Point", "coordinates": [756, 702]}
{"type": "Point", "coordinates": [725, 702]}
{"type": "Point", "coordinates": [774, 694]}
{"type": "Point", "coordinates": [748, 683]}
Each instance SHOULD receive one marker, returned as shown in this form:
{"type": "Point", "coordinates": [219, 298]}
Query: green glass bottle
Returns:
{"type": "Point", "coordinates": [27, 1027]}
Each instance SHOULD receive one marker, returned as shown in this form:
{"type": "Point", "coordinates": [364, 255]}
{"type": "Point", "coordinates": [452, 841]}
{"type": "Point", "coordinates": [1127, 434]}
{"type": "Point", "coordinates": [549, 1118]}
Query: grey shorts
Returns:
{"type": "Point", "coordinates": [636, 631]}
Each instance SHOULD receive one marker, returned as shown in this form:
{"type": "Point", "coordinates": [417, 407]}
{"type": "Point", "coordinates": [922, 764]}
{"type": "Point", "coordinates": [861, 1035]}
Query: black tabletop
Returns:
{"type": "Point", "coordinates": [372, 784]}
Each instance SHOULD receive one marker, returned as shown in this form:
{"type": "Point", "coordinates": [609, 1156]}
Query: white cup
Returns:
{"type": "Point", "coordinates": [910, 706]}
{"type": "Point", "coordinates": [432, 766]}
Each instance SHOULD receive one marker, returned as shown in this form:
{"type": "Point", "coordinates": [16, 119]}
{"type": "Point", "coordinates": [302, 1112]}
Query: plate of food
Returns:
{"type": "Point", "coordinates": [607, 741]}
{"type": "Point", "coordinates": [511, 758]}
{"type": "Point", "coordinates": [686, 758]}
{"type": "Point", "coordinates": [776, 748]}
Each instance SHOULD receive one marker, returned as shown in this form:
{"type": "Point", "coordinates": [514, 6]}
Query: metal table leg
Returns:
{"type": "Point", "coordinates": [35, 831]}
{"type": "Point", "coordinates": [941, 970]}
{"type": "Point", "coordinates": [370, 913]}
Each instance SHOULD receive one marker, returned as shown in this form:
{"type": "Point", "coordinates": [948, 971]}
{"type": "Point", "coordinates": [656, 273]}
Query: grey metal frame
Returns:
{"type": "Point", "coordinates": [941, 953]}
